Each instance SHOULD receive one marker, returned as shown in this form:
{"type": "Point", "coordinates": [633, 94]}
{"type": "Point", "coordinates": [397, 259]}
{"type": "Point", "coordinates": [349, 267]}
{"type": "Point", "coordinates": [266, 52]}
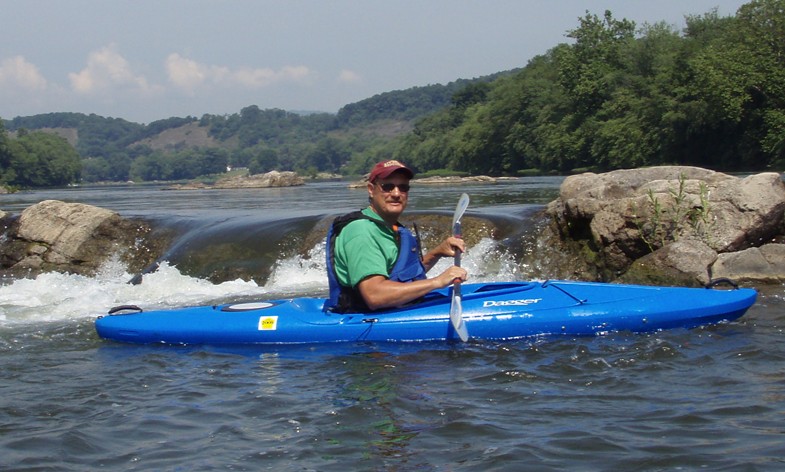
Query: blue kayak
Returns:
{"type": "Point", "coordinates": [491, 311]}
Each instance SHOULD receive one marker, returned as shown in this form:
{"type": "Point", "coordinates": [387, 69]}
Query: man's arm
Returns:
{"type": "Point", "coordinates": [380, 292]}
{"type": "Point", "coordinates": [445, 249]}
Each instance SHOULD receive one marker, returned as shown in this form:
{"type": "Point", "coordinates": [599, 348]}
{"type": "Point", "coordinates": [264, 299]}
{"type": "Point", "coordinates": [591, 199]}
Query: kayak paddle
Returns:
{"type": "Point", "coordinates": [456, 310]}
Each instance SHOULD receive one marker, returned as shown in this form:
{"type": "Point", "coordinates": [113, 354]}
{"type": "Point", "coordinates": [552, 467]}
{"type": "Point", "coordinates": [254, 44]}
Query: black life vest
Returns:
{"type": "Point", "coordinates": [408, 267]}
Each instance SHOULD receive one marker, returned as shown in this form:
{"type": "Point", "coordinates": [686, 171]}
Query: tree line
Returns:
{"type": "Point", "coordinates": [113, 149]}
{"type": "Point", "coordinates": [622, 97]}
{"type": "Point", "coordinates": [617, 96]}
{"type": "Point", "coordinates": [37, 159]}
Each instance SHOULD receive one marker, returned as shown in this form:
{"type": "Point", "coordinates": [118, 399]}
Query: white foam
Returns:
{"type": "Point", "coordinates": [485, 262]}
{"type": "Point", "coordinates": [55, 296]}
{"type": "Point", "coordinates": [307, 274]}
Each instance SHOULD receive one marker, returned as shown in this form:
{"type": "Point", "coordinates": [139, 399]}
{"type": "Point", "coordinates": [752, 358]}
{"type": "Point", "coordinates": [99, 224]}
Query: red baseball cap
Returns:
{"type": "Point", "coordinates": [384, 169]}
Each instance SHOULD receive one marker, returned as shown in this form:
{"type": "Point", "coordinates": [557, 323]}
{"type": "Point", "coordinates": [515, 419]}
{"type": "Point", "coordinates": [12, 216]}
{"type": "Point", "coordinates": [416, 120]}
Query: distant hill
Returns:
{"type": "Point", "coordinates": [383, 116]}
{"type": "Point", "coordinates": [618, 96]}
{"type": "Point", "coordinates": [410, 104]}
{"type": "Point", "coordinates": [189, 135]}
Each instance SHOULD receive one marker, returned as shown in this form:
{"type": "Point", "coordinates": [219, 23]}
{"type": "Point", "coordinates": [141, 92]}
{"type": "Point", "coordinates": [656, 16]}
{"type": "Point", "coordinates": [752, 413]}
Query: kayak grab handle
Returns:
{"type": "Point", "coordinates": [548, 283]}
{"type": "Point", "coordinates": [723, 280]}
{"type": "Point", "coordinates": [129, 308]}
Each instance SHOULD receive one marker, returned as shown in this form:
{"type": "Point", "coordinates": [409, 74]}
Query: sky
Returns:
{"type": "Point", "coordinates": [146, 60]}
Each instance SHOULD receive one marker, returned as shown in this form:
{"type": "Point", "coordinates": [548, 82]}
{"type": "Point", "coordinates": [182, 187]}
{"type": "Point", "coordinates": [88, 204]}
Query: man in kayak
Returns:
{"type": "Point", "coordinates": [373, 261]}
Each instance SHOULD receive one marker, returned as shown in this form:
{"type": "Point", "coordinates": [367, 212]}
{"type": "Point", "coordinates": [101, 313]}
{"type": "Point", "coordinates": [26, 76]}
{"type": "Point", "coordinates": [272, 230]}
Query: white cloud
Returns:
{"type": "Point", "coordinates": [263, 77]}
{"type": "Point", "coordinates": [188, 75]}
{"type": "Point", "coordinates": [185, 73]}
{"type": "Point", "coordinates": [349, 77]}
{"type": "Point", "coordinates": [107, 70]}
{"type": "Point", "coordinates": [17, 72]}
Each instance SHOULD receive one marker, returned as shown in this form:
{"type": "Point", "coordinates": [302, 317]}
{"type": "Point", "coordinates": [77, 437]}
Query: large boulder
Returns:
{"type": "Point", "coordinates": [71, 237]}
{"type": "Point", "coordinates": [624, 216]}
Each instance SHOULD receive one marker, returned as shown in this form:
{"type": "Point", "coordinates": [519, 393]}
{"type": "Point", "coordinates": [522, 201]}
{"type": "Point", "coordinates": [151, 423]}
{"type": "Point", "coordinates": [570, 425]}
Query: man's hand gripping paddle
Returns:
{"type": "Point", "coordinates": [456, 311]}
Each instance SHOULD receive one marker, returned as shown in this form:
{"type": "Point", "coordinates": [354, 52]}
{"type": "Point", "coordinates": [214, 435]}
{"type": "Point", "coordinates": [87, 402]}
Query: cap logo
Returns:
{"type": "Point", "coordinates": [393, 163]}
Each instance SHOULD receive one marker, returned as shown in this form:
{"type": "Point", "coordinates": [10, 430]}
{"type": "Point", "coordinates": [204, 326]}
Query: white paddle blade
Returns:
{"type": "Point", "coordinates": [463, 204]}
{"type": "Point", "coordinates": [456, 310]}
{"type": "Point", "coordinates": [456, 318]}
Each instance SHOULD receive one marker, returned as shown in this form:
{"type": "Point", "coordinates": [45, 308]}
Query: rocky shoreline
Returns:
{"type": "Point", "coordinates": [266, 180]}
{"type": "Point", "coordinates": [668, 225]}
{"type": "Point", "coordinates": [444, 180]}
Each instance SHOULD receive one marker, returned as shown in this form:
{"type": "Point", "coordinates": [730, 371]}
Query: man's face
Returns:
{"type": "Point", "coordinates": [389, 203]}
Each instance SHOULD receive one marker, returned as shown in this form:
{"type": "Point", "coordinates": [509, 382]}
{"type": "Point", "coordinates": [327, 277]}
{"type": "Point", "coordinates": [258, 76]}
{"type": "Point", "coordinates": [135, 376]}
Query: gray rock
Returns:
{"type": "Point", "coordinates": [747, 212]}
{"type": "Point", "coordinates": [270, 179]}
{"type": "Point", "coordinates": [635, 219]}
{"type": "Point", "coordinates": [764, 264]}
{"type": "Point", "coordinates": [686, 263]}
{"type": "Point", "coordinates": [72, 237]}
{"type": "Point", "coordinates": [456, 180]}
{"type": "Point", "coordinates": [66, 230]}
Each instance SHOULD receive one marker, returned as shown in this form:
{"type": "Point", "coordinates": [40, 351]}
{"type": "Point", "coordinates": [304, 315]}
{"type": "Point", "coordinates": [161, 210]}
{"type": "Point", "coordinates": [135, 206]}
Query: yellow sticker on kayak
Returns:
{"type": "Point", "coordinates": [268, 323]}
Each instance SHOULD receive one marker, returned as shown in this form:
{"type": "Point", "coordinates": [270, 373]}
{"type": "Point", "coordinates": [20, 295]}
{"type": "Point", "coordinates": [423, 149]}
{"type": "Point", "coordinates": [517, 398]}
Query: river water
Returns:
{"type": "Point", "coordinates": [711, 398]}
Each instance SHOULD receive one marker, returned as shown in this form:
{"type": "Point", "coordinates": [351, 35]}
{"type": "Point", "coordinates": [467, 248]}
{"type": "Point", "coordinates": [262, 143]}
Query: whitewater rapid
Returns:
{"type": "Point", "coordinates": [54, 297]}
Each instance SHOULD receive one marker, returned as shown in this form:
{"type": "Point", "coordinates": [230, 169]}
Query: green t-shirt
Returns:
{"type": "Point", "coordinates": [363, 249]}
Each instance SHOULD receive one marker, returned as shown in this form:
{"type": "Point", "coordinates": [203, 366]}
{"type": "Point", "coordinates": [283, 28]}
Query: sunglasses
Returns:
{"type": "Point", "coordinates": [387, 188]}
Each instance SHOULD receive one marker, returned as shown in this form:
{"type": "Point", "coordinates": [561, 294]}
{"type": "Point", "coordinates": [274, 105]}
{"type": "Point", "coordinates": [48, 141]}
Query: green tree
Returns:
{"type": "Point", "coordinates": [327, 156]}
{"type": "Point", "coordinates": [587, 69]}
{"type": "Point", "coordinates": [95, 169]}
{"type": "Point", "coordinates": [7, 174]}
{"type": "Point", "coordinates": [740, 75]}
{"type": "Point", "coordinates": [149, 167]}
{"type": "Point", "coordinates": [264, 160]}
{"type": "Point", "coordinates": [42, 160]}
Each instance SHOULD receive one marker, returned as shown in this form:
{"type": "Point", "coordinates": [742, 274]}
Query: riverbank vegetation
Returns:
{"type": "Point", "coordinates": [621, 97]}
{"type": "Point", "coordinates": [616, 95]}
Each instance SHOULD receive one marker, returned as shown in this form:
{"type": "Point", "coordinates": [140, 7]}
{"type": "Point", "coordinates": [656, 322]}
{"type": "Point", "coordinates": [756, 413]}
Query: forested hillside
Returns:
{"type": "Point", "coordinates": [618, 95]}
{"type": "Point", "coordinates": [113, 149]}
